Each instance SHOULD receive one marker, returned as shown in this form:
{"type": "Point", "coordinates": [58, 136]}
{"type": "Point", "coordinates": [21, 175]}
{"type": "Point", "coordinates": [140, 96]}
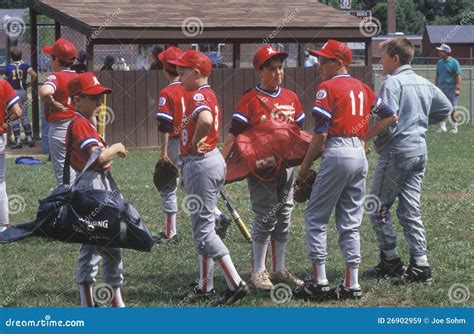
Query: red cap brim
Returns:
{"type": "Point", "coordinates": [321, 53]}
{"type": "Point", "coordinates": [48, 49]}
{"type": "Point", "coordinates": [97, 90]}
{"type": "Point", "coordinates": [179, 63]}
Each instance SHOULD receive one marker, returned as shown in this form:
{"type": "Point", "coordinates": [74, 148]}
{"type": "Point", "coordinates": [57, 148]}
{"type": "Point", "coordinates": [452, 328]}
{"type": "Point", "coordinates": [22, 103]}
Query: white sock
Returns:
{"type": "Point", "coordinates": [421, 261]}
{"type": "Point", "coordinates": [259, 256]}
{"type": "Point", "coordinates": [217, 213]}
{"type": "Point", "coordinates": [3, 204]}
{"type": "Point", "coordinates": [391, 254]}
{"type": "Point", "coordinates": [117, 301]}
{"type": "Point", "coordinates": [278, 256]}
{"type": "Point", "coordinates": [231, 275]}
{"type": "Point", "coordinates": [319, 274]}
{"type": "Point", "coordinates": [86, 295]}
{"type": "Point", "coordinates": [442, 125]}
{"type": "Point", "coordinates": [455, 125]}
{"type": "Point", "coordinates": [352, 278]}
{"type": "Point", "coordinates": [206, 273]}
{"type": "Point", "coordinates": [170, 224]}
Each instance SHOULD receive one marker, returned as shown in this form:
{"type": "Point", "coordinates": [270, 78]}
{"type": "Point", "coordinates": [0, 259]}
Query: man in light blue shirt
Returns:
{"type": "Point", "coordinates": [448, 79]}
{"type": "Point", "coordinates": [402, 162]}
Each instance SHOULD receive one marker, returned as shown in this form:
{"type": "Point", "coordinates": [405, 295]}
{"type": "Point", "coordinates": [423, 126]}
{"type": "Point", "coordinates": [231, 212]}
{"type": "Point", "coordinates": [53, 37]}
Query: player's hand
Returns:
{"type": "Point", "coordinates": [57, 106]}
{"type": "Point", "coordinates": [367, 148]}
{"type": "Point", "coordinates": [120, 150]}
{"type": "Point", "coordinates": [164, 157]}
{"type": "Point", "coordinates": [457, 92]}
{"type": "Point", "coordinates": [201, 147]}
{"type": "Point", "coordinates": [303, 174]}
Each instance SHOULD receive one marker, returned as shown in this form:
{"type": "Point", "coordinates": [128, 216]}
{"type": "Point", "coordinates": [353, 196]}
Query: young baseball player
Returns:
{"type": "Point", "coordinates": [17, 74]}
{"type": "Point", "coordinates": [342, 111]}
{"type": "Point", "coordinates": [171, 108]}
{"type": "Point", "coordinates": [87, 93]}
{"type": "Point", "coordinates": [203, 172]}
{"type": "Point", "coordinates": [272, 202]}
{"type": "Point", "coordinates": [55, 95]}
{"type": "Point", "coordinates": [402, 162]}
{"type": "Point", "coordinates": [10, 111]}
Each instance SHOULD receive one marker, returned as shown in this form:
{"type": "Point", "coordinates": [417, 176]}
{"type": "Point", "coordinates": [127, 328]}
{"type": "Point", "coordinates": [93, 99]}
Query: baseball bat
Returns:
{"type": "Point", "coordinates": [102, 118]}
{"type": "Point", "coordinates": [235, 215]}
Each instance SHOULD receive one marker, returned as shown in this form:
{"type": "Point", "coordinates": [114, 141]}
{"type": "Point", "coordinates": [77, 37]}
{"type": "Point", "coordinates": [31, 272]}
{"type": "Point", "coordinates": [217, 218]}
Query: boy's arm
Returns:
{"type": "Point", "coordinates": [104, 160]}
{"type": "Point", "coordinates": [228, 146]}
{"type": "Point", "coordinates": [440, 107]}
{"type": "Point", "coordinates": [164, 136]}
{"type": "Point", "coordinates": [204, 123]}
{"type": "Point", "coordinates": [315, 150]}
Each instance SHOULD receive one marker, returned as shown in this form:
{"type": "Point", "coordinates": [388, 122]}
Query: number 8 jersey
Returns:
{"type": "Point", "coordinates": [343, 107]}
{"type": "Point", "coordinates": [203, 98]}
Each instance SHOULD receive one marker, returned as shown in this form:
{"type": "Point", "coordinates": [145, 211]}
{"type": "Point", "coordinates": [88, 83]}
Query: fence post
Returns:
{"type": "Point", "coordinates": [471, 96]}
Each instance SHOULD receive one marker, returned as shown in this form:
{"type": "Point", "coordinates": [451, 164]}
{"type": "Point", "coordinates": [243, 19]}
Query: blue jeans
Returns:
{"type": "Point", "coordinates": [398, 176]}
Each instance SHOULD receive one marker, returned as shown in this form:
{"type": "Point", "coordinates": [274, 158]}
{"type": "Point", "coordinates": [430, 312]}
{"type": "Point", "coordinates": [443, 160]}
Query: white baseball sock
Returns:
{"type": "Point", "coordinates": [170, 224]}
{"type": "Point", "coordinates": [259, 256]}
{"type": "Point", "coordinates": [3, 206]}
{"type": "Point", "coordinates": [421, 261]}
{"type": "Point", "coordinates": [455, 125]}
{"type": "Point", "coordinates": [231, 275]}
{"type": "Point", "coordinates": [442, 125]}
{"type": "Point", "coordinates": [217, 213]}
{"type": "Point", "coordinates": [86, 295]}
{"type": "Point", "coordinates": [278, 255]}
{"type": "Point", "coordinates": [391, 254]}
{"type": "Point", "coordinates": [206, 273]}
{"type": "Point", "coordinates": [351, 280]}
{"type": "Point", "coordinates": [319, 274]}
{"type": "Point", "coordinates": [117, 301]}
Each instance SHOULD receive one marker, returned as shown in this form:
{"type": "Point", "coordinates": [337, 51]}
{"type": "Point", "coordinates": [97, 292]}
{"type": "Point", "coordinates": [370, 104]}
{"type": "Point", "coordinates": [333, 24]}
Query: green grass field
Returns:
{"type": "Point", "coordinates": [39, 272]}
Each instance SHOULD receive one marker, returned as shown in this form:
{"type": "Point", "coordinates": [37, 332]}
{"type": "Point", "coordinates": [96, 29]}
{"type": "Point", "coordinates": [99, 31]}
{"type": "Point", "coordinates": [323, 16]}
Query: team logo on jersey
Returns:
{"type": "Point", "coordinates": [283, 112]}
{"type": "Point", "coordinates": [162, 101]}
{"type": "Point", "coordinates": [198, 97]}
{"type": "Point", "coordinates": [51, 77]}
{"type": "Point", "coordinates": [321, 94]}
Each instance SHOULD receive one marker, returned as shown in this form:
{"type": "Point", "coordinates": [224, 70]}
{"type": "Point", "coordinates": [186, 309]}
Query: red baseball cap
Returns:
{"type": "Point", "coordinates": [264, 53]}
{"type": "Point", "coordinates": [171, 53]}
{"type": "Point", "coordinates": [194, 59]}
{"type": "Point", "coordinates": [61, 49]}
{"type": "Point", "coordinates": [86, 83]}
{"type": "Point", "coordinates": [335, 50]}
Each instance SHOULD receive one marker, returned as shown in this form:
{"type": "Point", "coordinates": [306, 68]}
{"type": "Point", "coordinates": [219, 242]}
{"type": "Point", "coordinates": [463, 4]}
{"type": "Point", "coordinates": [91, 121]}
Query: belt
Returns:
{"type": "Point", "coordinates": [334, 142]}
{"type": "Point", "coordinates": [200, 156]}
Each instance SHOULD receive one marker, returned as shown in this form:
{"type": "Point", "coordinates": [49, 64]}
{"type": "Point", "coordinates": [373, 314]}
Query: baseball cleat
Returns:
{"type": "Point", "coordinates": [162, 238]}
{"type": "Point", "coordinates": [386, 268]}
{"type": "Point", "coordinates": [286, 277]}
{"type": "Point", "coordinates": [261, 280]}
{"type": "Point", "coordinates": [312, 291]}
{"type": "Point", "coordinates": [454, 131]}
{"type": "Point", "coordinates": [342, 293]}
{"type": "Point", "coordinates": [229, 297]}
{"type": "Point", "coordinates": [417, 274]}
{"type": "Point", "coordinates": [441, 130]}
{"type": "Point", "coordinates": [222, 224]}
{"type": "Point", "coordinates": [195, 294]}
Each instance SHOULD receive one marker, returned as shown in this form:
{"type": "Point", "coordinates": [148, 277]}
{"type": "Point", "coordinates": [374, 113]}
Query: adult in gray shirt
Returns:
{"type": "Point", "coordinates": [402, 162]}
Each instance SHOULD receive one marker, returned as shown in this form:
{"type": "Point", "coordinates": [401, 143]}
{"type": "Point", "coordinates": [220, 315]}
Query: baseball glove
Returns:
{"type": "Point", "coordinates": [302, 189]}
{"type": "Point", "coordinates": [165, 173]}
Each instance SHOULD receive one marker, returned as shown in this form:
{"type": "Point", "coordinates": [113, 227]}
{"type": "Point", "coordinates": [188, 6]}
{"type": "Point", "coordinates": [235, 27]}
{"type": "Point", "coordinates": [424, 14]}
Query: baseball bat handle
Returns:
{"type": "Point", "coordinates": [236, 217]}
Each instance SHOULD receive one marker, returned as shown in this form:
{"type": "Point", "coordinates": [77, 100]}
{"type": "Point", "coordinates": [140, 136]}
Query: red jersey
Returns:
{"type": "Point", "coordinates": [59, 81]}
{"type": "Point", "coordinates": [203, 98]}
{"type": "Point", "coordinates": [257, 105]}
{"type": "Point", "coordinates": [346, 103]}
{"type": "Point", "coordinates": [8, 98]}
{"type": "Point", "coordinates": [84, 135]}
{"type": "Point", "coordinates": [171, 106]}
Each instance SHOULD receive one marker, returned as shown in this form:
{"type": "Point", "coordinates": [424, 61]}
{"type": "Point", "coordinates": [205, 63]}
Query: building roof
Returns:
{"type": "Point", "coordinates": [450, 34]}
{"type": "Point", "coordinates": [215, 19]}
